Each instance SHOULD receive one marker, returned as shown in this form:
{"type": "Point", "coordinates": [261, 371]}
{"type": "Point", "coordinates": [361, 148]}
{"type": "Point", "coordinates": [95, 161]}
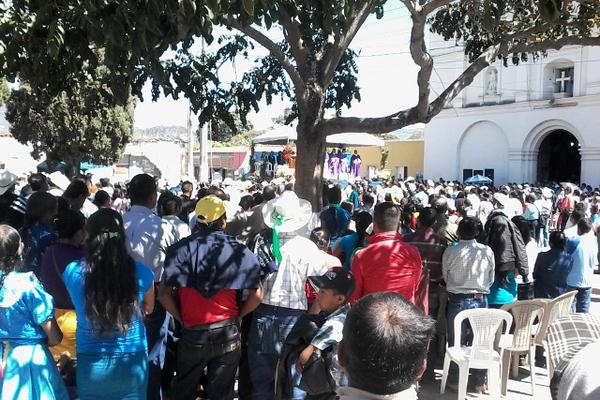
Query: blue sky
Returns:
{"type": "Point", "coordinates": [386, 76]}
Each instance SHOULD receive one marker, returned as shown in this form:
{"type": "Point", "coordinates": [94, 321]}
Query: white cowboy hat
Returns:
{"type": "Point", "coordinates": [293, 212]}
{"type": "Point", "coordinates": [59, 180]}
{"type": "Point", "coordinates": [502, 199]}
{"type": "Point", "coordinates": [228, 181]}
{"type": "Point", "coordinates": [7, 179]}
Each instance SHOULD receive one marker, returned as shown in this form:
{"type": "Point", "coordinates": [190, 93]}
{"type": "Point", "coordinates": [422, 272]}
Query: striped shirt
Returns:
{"type": "Point", "coordinates": [20, 204]}
{"type": "Point", "coordinates": [468, 268]}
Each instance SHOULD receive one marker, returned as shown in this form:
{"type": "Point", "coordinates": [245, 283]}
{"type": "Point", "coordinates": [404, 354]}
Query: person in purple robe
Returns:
{"type": "Point", "coordinates": [355, 163]}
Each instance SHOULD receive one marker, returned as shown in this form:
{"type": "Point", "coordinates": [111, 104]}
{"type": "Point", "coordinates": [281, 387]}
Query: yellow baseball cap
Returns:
{"type": "Point", "coordinates": [209, 209]}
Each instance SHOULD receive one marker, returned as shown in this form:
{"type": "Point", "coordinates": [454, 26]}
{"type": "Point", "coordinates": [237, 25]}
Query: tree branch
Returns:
{"type": "Point", "coordinates": [370, 125]}
{"type": "Point", "coordinates": [273, 48]}
{"type": "Point", "coordinates": [336, 52]}
{"type": "Point", "coordinates": [464, 80]}
{"type": "Point", "coordinates": [432, 5]}
{"type": "Point", "coordinates": [418, 51]}
{"type": "Point", "coordinates": [293, 36]}
{"type": "Point", "coordinates": [554, 44]}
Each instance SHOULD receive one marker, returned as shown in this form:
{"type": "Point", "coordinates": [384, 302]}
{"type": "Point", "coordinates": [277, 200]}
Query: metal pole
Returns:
{"type": "Point", "coordinates": [190, 144]}
{"type": "Point", "coordinates": [204, 168]}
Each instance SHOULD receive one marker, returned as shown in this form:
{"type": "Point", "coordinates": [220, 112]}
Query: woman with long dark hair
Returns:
{"type": "Point", "coordinates": [345, 247]}
{"type": "Point", "coordinates": [27, 328]}
{"type": "Point", "coordinates": [111, 294]}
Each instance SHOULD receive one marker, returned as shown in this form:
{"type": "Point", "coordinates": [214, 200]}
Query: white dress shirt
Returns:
{"type": "Point", "coordinates": [147, 238]}
{"type": "Point", "coordinates": [180, 229]}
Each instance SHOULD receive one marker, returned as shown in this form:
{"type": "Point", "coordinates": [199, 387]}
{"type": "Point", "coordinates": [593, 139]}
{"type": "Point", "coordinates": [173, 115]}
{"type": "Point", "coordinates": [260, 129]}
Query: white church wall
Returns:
{"type": "Point", "coordinates": [477, 154]}
{"type": "Point", "coordinates": [524, 125]}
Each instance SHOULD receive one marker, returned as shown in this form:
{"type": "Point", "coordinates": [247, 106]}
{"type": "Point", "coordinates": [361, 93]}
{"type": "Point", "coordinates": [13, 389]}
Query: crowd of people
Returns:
{"type": "Point", "coordinates": [134, 291]}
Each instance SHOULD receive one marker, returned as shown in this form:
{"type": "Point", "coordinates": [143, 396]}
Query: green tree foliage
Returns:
{"type": "Point", "coordinates": [79, 125]}
{"type": "Point", "coordinates": [313, 64]}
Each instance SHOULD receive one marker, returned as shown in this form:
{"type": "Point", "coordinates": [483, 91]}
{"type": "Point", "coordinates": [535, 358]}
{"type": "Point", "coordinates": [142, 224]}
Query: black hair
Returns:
{"type": "Point", "coordinates": [268, 193]}
{"type": "Point", "coordinates": [247, 202]}
{"type": "Point", "coordinates": [76, 189]}
{"type": "Point", "coordinates": [368, 199]}
{"type": "Point", "coordinates": [101, 198]}
{"type": "Point", "coordinates": [363, 220]}
{"type": "Point", "coordinates": [104, 182]}
{"type": "Point", "coordinates": [584, 226]}
{"type": "Point", "coordinates": [187, 187]}
{"type": "Point", "coordinates": [68, 222]}
{"type": "Point", "coordinates": [37, 182]}
{"type": "Point", "coordinates": [387, 216]}
{"type": "Point", "coordinates": [334, 195]}
{"type": "Point", "coordinates": [576, 216]}
{"type": "Point", "coordinates": [385, 343]}
{"type": "Point", "coordinates": [169, 204]}
{"type": "Point", "coordinates": [428, 217]}
{"type": "Point", "coordinates": [346, 205]}
{"type": "Point", "coordinates": [558, 240]}
{"type": "Point", "coordinates": [320, 237]}
{"type": "Point", "coordinates": [10, 240]}
{"type": "Point", "coordinates": [141, 189]}
{"type": "Point", "coordinates": [110, 285]}
{"type": "Point", "coordinates": [39, 205]}
{"type": "Point", "coordinates": [469, 228]}
{"type": "Point", "coordinates": [258, 198]}
{"type": "Point", "coordinates": [216, 191]}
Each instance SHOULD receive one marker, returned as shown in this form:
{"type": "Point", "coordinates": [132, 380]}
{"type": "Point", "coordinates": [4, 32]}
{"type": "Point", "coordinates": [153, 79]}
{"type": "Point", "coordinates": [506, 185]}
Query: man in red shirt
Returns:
{"type": "Point", "coordinates": [387, 264]}
{"type": "Point", "coordinates": [205, 278]}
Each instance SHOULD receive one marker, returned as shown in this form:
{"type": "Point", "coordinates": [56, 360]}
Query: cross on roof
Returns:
{"type": "Point", "coordinates": [563, 80]}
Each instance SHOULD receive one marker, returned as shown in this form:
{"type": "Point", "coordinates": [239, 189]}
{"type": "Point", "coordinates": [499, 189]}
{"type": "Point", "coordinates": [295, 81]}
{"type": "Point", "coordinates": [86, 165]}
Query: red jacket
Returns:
{"type": "Point", "coordinates": [387, 265]}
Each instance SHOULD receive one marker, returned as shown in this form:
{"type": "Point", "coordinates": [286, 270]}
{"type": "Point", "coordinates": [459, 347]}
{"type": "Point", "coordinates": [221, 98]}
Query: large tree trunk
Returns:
{"type": "Point", "coordinates": [310, 158]}
{"type": "Point", "coordinates": [310, 145]}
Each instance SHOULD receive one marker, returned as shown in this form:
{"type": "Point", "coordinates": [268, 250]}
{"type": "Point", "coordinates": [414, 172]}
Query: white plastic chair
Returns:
{"type": "Point", "coordinates": [524, 313]}
{"type": "Point", "coordinates": [481, 354]}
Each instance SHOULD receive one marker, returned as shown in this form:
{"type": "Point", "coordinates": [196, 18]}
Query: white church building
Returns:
{"type": "Point", "coordinates": [534, 122]}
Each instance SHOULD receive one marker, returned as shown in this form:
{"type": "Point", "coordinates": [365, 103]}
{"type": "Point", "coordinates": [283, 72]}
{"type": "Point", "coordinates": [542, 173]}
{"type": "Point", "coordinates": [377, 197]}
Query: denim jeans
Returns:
{"type": "Point", "coordinates": [456, 304]}
{"type": "Point", "coordinates": [582, 299]}
{"type": "Point", "coordinates": [218, 350]}
{"type": "Point", "coordinates": [268, 331]}
{"type": "Point", "coordinates": [157, 326]}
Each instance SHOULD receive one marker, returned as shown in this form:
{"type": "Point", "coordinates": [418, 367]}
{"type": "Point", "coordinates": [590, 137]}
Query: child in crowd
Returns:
{"type": "Point", "coordinates": [69, 226]}
{"type": "Point", "coordinates": [27, 328]}
{"type": "Point", "coordinates": [309, 362]}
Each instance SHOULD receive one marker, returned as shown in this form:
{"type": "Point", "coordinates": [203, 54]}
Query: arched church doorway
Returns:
{"type": "Point", "coordinates": [559, 159]}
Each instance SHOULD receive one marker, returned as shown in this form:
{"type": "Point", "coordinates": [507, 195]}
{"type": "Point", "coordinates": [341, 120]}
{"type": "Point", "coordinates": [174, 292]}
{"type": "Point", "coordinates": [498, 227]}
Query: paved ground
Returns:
{"type": "Point", "coordinates": [517, 389]}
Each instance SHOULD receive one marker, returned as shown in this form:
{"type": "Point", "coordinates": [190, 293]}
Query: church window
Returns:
{"type": "Point", "coordinates": [563, 81]}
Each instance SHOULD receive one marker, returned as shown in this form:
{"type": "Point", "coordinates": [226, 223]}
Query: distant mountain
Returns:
{"type": "Point", "coordinates": [161, 132]}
